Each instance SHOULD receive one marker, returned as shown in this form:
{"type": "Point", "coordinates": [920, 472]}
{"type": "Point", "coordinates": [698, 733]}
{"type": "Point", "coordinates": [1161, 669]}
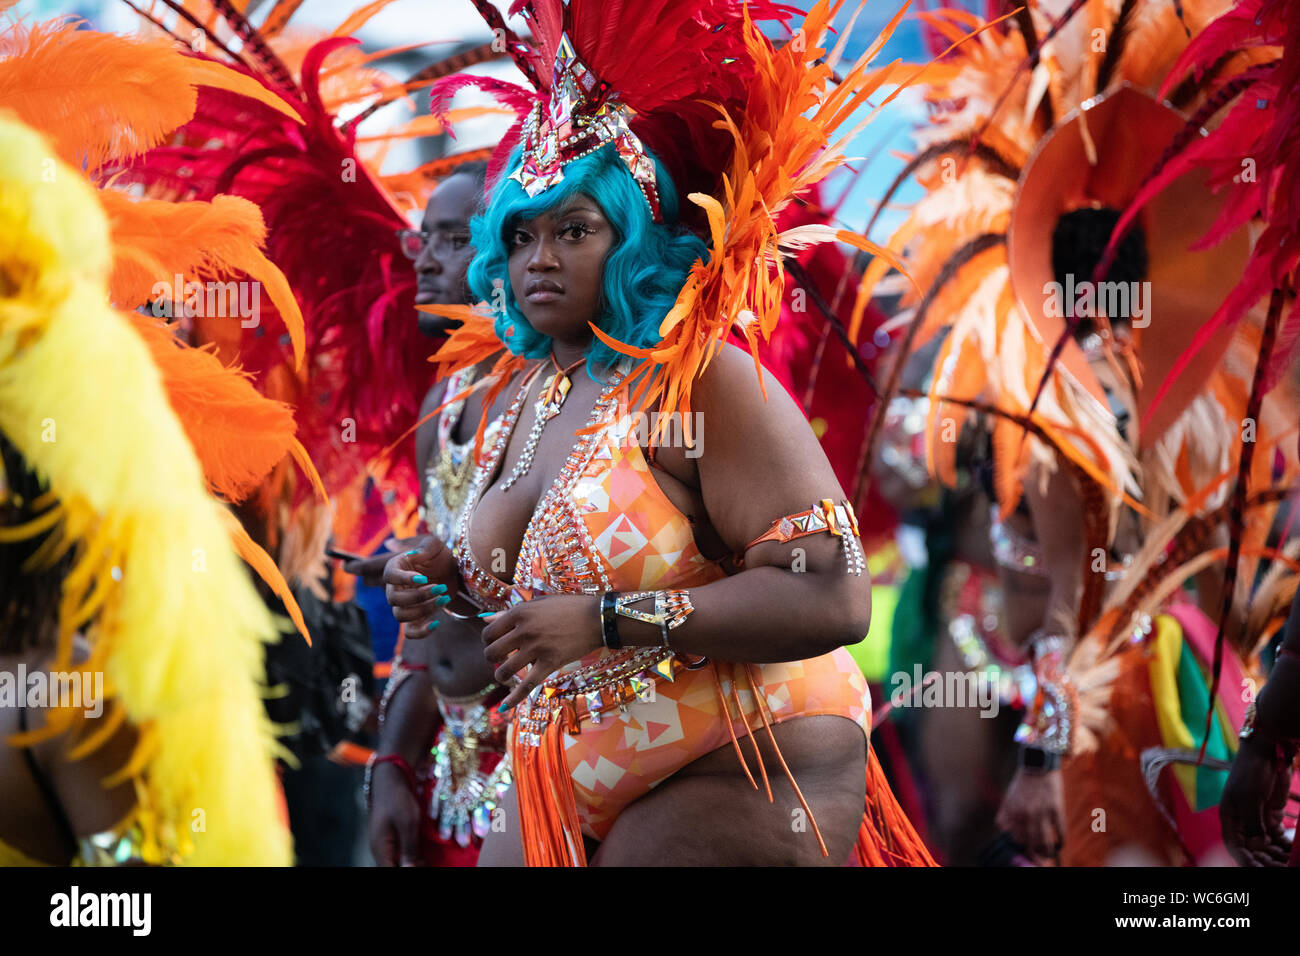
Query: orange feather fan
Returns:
{"type": "Point", "coordinates": [102, 96]}
{"type": "Point", "coordinates": [238, 434]}
{"type": "Point", "coordinates": [157, 240]}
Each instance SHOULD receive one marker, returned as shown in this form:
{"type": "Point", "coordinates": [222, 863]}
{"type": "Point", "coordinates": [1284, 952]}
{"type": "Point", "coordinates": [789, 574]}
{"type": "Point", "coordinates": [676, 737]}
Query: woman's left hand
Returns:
{"type": "Point", "coordinates": [546, 633]}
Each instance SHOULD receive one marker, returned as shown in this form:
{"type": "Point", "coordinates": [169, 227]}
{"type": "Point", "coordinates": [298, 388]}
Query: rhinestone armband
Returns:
{"type": "Point", "coordinates": [836, 519]}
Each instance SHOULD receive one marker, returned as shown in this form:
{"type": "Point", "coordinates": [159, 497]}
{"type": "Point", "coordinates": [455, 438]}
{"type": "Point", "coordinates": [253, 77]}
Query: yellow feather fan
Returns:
{"type": "Point", "coordinates": [171, 615]}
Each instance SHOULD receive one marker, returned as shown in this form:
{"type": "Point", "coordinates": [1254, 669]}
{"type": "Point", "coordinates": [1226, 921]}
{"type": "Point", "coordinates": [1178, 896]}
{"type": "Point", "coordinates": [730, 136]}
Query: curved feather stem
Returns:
{"type": "Point", "coordinates": [978, 245]}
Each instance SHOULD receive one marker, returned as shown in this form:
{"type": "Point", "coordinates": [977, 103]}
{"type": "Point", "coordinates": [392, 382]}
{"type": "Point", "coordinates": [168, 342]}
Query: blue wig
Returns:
{"type": "Point", "coordinates": [644, 270]}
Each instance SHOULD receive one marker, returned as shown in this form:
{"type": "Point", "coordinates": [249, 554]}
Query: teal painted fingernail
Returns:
{"type": "Point", "coordinates": [432, 625]}
{"type": "Point", "coordinates": [442, 601]}
{"type": "Point", "coordinates": [502, 708]}
{"type": "Point", "coordinates": [487, 613]}
{"type": "Point", "coordinates": [420, 579]}
{"type": "Point", "coordinates": [437, 589]}
{"type": "Point", "coordinates": [409, 553]}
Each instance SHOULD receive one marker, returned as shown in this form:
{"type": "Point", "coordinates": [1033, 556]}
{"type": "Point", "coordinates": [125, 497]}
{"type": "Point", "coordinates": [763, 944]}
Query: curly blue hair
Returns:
{"type": "Point", "coordinates": [644, 269]}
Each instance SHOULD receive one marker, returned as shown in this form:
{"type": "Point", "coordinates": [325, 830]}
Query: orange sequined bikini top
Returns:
{"type": "Point", "coordinates": [604, 524]}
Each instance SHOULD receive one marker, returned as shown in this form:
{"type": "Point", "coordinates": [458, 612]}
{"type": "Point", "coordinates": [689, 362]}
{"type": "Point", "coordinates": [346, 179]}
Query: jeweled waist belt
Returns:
{"type": "Point", "coordinates": [612, 683]}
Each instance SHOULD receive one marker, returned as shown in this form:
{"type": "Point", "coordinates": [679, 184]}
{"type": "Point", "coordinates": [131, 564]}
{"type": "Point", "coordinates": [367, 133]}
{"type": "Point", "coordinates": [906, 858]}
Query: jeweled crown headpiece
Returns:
{"type": "Point", "coordinates": [579, 116]}
{"type": "Point", "coordinates": [601, 73]}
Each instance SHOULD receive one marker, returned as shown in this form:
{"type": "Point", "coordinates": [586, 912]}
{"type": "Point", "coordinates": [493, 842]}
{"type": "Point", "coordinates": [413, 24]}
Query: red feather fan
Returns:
{"type": "Point", "coordinates": [664, 58]}
{"type": "Point", "coordinates": [332, 230]}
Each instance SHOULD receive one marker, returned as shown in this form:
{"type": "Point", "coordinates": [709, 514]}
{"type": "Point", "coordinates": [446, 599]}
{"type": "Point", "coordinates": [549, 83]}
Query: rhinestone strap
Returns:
{"type": "Point", "coordinates": [490, 592]}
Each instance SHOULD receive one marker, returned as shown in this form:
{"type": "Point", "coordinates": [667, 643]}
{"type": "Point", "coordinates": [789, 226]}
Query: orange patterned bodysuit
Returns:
{"type": "Point", "coordinates": [618, 723]}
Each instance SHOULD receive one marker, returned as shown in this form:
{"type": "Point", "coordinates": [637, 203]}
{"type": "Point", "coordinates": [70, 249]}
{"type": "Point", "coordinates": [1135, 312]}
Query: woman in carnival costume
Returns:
{"type": "Point", "coordinates": [658, 600]}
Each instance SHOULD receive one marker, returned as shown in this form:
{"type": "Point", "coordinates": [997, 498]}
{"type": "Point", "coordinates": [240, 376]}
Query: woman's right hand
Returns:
{"type": "Point", "coordinates": [394, 819]}
{"type": "Point", "coordinates": [420, 581]}
{"type": "Point", "coordinates": [1033, 812]}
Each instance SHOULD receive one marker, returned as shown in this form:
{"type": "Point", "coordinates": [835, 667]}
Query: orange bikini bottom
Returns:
{"type": "Point", "coordinates": [626, 755]}
{"type": "Point", "coordinates": [570, 785]}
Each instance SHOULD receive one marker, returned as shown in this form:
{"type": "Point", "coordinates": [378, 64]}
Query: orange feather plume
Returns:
{"type": "Point", "coordinates": [238, 434]}
{"type": "Point", "coordinates": [101, 96]}
{"type": "Point", "coordinates": [158, 240]}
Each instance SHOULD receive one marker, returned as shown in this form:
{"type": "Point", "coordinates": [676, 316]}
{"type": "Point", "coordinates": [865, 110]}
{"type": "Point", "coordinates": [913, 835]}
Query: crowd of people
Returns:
{"type": "Point", "coordinates": [706, 540]}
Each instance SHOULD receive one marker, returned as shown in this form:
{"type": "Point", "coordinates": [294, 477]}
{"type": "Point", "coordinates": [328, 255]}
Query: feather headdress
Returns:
{"type": "Point", "coordinates": [1248, 62]}
{"type": "Point", "coordinates": [753, 126]}
{"type": "Point", "coordinates": [1010, 151]}
{"type": "Point", "coordinates": [173, 621]}
{"type": "Point", "coordinates": [1075, 126]}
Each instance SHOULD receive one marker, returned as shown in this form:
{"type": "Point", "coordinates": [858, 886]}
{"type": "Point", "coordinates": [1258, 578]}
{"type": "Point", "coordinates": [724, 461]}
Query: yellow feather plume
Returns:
{"type": "Point", "coordinates": [175, 623]}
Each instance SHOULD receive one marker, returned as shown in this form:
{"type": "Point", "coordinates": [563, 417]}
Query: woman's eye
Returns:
{"type": "Point", "coordinates": [520, 238]}
{"type": "Point", "coordinates": [576, 230]}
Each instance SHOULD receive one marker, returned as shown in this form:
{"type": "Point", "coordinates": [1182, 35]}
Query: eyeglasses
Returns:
{"type": "Point", "coordinates": [443, 240]}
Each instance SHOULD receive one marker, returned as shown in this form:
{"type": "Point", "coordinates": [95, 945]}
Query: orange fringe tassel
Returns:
{"type": "Point", "coordinates": [548, 811]}
{"type": "Point", "coordinates": [887, 837]}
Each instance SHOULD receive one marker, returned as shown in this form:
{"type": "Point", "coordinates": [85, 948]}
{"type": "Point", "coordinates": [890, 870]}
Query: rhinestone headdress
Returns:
{"type": "Point", "coordinates": [580, 115]}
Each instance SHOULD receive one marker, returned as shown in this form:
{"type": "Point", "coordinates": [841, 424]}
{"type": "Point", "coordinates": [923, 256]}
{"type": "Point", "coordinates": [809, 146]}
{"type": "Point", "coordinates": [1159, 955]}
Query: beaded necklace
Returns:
{"type": "Point", "coordinates": [554, 391]}
{"type": "Point", "coordinates": [491, 590]}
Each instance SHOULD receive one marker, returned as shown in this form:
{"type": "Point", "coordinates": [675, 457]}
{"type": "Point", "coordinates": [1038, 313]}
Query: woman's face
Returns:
{"type": "Point", "coordinates": [557, 261]}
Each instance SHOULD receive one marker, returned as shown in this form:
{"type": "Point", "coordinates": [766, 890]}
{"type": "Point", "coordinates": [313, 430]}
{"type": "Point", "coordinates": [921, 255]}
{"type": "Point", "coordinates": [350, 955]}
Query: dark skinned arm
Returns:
{"type": "Point", "coordinates": [1033, 809]}
{"type": "Point", "coordinates": [760, 461]}
{"type": "Point", "coordinates": [411, 716]}
{"type": "Point", "coordinates": [1250, 812]}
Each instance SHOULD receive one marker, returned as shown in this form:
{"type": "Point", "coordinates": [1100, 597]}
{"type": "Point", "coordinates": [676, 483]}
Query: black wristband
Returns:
{"type": "Point", "coordinates": [1038, 759]}
{"type": "Point", "coordinates": [609, 620]}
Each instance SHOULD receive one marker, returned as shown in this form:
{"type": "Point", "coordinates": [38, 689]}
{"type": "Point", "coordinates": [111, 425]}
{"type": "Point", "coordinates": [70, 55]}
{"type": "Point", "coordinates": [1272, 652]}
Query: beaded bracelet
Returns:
{"type": "Point", "coordinates": [396, 760]}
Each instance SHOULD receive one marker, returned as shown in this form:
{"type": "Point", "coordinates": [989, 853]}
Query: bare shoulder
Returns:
{"type": "Point", "coordinates": [732, 377]}
{"type": "Point", "coordinates": [758, 456]}
{"type": "Point", "coordinates": [740, 402]}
